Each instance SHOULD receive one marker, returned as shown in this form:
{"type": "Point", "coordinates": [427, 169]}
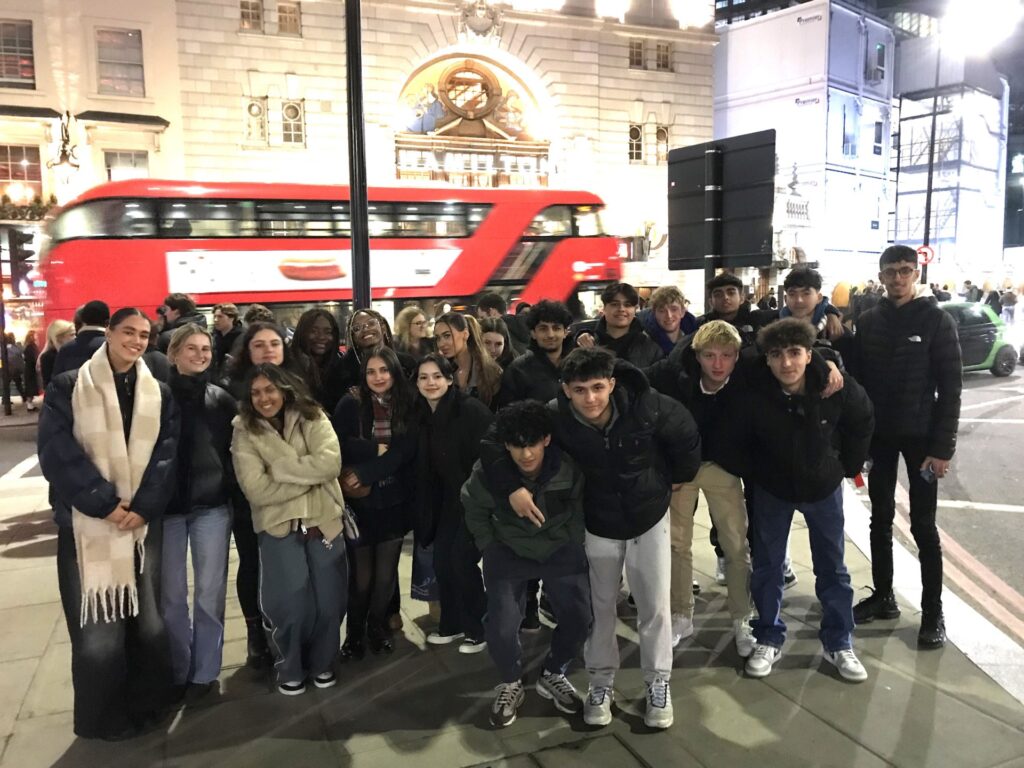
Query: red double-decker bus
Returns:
{"type": "Point", "coordinates": [133, 242]}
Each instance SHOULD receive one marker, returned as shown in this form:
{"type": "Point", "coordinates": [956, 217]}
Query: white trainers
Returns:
{"type": "Point", "coordinates": [436, 638]}
{"type": "Point", "coordinates": [720, 571]}
{"type": "Point", "coordinates": [659, 704]}
{"type": "Point", "coordinates": [762, 659]}
{"type": "Point", "coordinates": [682, 628]}
{"type": "Point", "coordinates": [848, 664]}
{"type": "Point", "coordinates": [789, 578]}
{"type": "Point", "coordinates": [745, 641]}
{"type": "Point", "coordinates": [597, 709]}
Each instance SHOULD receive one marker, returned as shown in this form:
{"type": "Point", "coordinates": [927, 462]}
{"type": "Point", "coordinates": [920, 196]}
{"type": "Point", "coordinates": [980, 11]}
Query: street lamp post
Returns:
{"type": "Point", "coordinates": [926, 239]}
{"type": "Point", "coordinates": [357, 157]}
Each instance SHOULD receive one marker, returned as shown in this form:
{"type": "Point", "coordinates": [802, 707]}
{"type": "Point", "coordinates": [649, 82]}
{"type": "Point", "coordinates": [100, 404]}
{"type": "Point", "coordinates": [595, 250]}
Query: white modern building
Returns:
{"type": "Point", "coordinates": [571, 93]}
{"type": "Point", "coordinates": [821, 75]}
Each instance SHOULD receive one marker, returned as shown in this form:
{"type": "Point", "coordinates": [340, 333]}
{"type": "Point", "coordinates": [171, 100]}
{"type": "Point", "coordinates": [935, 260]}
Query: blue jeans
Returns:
{"type": "Point", "coordinates": [196, 646]}
{"type": "Point", "coordinates": [772, 519]}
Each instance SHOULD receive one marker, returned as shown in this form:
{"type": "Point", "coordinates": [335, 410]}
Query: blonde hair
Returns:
{"type": "Point", "coordinates": [667, 294]}
{"type": "Point", "coordinates": [181, 334]}
{"type": "Point", "coordinates": [716, 333]}
{"type": "Point", "coordinates": [403, 322]}
{"type": "Point", "coordinates": [55, 330]}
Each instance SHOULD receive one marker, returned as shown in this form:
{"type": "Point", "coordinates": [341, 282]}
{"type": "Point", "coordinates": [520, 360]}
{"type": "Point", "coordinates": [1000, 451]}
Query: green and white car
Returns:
{"type": "Point", "coordinates": [983, 342]}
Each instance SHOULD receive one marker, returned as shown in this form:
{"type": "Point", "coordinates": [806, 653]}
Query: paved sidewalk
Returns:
{"type": "Point", "coordinates": [428, 707]}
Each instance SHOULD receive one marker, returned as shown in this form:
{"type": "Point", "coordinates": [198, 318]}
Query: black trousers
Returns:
{"type": "Point", "coordinates": [567, 587]}
{"type": "Point", "coordinates": [120, 670]}
{"type": "Point", "coordinates": [460, 584]}
{"type": "Point", "coordinates": [885, 453]}
{"type": "Point", "coordinates": [247, 580]}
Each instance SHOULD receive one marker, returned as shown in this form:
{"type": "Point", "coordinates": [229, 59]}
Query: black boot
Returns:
{"type": "Point", "coordinates": [352, 649]}
{"type": "Point", "coordinates": [257, 652]}
{"type": "Point", "coordinates": [877, 606]}
{"type": "Point", "coordinates": [933, 631]}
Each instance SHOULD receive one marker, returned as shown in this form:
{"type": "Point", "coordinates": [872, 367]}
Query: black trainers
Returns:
{"type": "Point", "coordinates": [531, 623]}
{"type": "Point", "coordinates": [256, 650]}
{"type": "Point", "coordinates": [933, 631]}
{"type": "Point", "coordinates": [876, 606]}
{"type": "Point", "coordinates": [506, 704]}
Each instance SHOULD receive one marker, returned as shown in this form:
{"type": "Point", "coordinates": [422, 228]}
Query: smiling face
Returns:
{"type": "Point", "coordinates": [529, 458]}
{"type": "Point", "coordinates": [591, 399]}
{"type": "Point", "coordinates": [319, 337]}
{"type": "Point", "coordinates": [378, 376]}
{"type": "Point", "coordinates": [366, 331]}
{"type": "Point", "coordinates": [549, 336]}
{"type": "Point", "coordinates": [789, 366]}
{"type": "Point", "coordinates": [266, 347]}
{"type": "Point", "coordinates": [669, 316]}
{"type": "Point", "coordinates": [431, 382]}
{"type": "Point", "coordinates": [127, 341]}
{"type": "Point", "coordinates": [267, 399]}
{"type": "Point", "coordinates": [802, 301]}
{"type": "Point", "coordinates": [194, 355]}
{"type": "Point", "coordinates": [494, 343]}
{"type": "Point", "coordinates": [619, 312]}
{"type": "Point", "coordinates": [450, 340]}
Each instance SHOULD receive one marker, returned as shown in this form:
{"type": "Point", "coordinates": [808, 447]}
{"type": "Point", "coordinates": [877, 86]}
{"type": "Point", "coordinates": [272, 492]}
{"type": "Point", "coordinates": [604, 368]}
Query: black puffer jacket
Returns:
{"type": "Point", "coordinates": [205, 476]}
{"type": "Point", "coordinates": [391, 476]}
{"type": "Point", "coordinates": [636, 347]}
{"type": "Point", "coordinates": [800, 446]}
{"type": "Point", "coordinates": [77, 352]}
{"type": "Point", "coordinates": [630, 466]}
{"type": "Point", "coordinates": [223, 344]}
{"type": "Point", "coordinates": [164, 341]}
{"type": "Point", "coordinates": [748, 321]}
{"type": "Point", "coordinates": [531, 377]}
{"type": "Point", "coordinates": [449, 444]}
{"type": "Point", "coordinates": [908, 359]}
{"type": "Point", "coordinates": [74, 479]}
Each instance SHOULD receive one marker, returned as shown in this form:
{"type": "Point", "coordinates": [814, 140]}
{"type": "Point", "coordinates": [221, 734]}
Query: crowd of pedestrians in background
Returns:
{"type": "Point", "coordinates": [543, 465]}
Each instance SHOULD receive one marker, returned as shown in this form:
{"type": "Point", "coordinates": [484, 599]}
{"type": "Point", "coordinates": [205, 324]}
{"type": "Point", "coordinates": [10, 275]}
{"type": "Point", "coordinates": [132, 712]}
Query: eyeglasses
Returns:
{"type": "Point", "coordinates": [891, 272]}
{"type": "Point", "coordinates": [421, 322]}
{"type": "Point", "coordinates": [372, 325]}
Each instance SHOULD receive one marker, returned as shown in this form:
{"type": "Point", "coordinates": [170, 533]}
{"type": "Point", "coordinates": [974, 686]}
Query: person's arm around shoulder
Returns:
{"type": "Point", "coordinates": [322, 461]}
{"type": "Point", "coordinates": [678, 436]}
{"type": "Point", "coordinates": [252, 474]}
{"type": "Point", "coordinates": [856, 426]}
{"type": "Point", "coordinates": [65, 465]}
{"type": "Point", "coordinates": [479, 505]}
{"type": "Point", "coordinates": [947, 370]}
{"type": "Point", "coordinates": [151, 498]}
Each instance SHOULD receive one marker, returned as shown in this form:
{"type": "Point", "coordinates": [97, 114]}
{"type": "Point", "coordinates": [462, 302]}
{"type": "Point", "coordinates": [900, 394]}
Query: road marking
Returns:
{"type": "Point", "coordinates": [1000, 401]}
{"type": "Point", "coordinates": [981, 506]}
{"type": "Point", "coordinates": [20, 469]}
{"type": "Point", "coordinates": [992, 421]}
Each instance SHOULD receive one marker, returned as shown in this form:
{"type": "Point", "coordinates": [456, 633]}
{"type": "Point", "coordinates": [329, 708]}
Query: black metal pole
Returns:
{"type": "Point", "coordinates": [4, 360]}
{"type": "Point", "coordinates": [931, 158]}
{"type": "Point", "coordinates": [712, 217]}
{"type": "Point", "coordinates": [357, 157]}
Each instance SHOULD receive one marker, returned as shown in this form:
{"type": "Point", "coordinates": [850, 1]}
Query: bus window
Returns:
{"type": "Point", "coordinates": [588, 221]}
{"type": "Point", "coordinates": [303, 218]}
{"type": "Point", "coordinates": [430, 220]}
{"type": "Point", "coordinates": [206, 218]}
{"type": "Point", "coordinates": [105, 218]}
{"type": "Point", "coordinates": [553, 221]}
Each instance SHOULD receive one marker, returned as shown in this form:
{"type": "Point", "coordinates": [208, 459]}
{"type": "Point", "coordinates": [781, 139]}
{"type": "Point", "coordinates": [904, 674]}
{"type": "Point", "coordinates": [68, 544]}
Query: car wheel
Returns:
{"type": "Point", "coordinates": [1006, 361]}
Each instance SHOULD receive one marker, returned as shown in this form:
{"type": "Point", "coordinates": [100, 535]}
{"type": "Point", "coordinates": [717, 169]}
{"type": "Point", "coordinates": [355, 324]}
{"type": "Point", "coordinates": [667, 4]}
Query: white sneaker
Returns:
{"type": "Point", "coordinates": [597, 709]}
{"type": "Point", "coordinates": [848, 664]}
{"type": "Point", "coordinates": [762, 659]}
{"type": "Point", "coordinates": [720, 571]}
{"type": "Point", "coordinates": [659, 704]}
{"type": "Point", "coordinates": [682, 628]}
{"type": "Point", "coordinates": [745, 641]}
{"type": "Point", "coordinates": [789, 578]}
{"type": "Point", "coordinates": [472, 645]}
{"type": "Point", "coordinates": [436, 638]}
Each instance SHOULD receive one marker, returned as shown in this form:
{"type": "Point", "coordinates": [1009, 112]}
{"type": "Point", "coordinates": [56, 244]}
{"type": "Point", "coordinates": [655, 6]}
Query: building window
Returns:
{"type": "Point", "coordinates": [17, 62]}
{"type": "Point", "coordinates": [20, 175]}
{"type": "Point", "coordinates": [876, 64]}
{"type": "Point", "coordinates": [661, 134]}
{"type": "Point", "coordinates": [293, 123]}
{"type": "Point", "coordinates": [636, 54]}
{"type": "Point", "coordinates": [119, 58]}
{"type": "Point", "coordinates": [256, 121]}
{"type": "Point", "coordinates": [126, 164]}
{"type": "Point", "coordinates": [289, 18]}
{"type": "Point", "coordinates": [636, 143]}
{"type": "Point", "coordinates": [849, 131]}
{"type": "Point", "coordinates": [251, 15]}
{"type": "Point", "coordinates": [663, 57]}
{"type": "Point", "coordinates": [878, 137]}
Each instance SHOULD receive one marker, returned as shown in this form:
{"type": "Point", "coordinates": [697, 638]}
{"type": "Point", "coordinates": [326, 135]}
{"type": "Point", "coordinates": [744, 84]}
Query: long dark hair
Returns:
{"type": "Point", "coordinates": [499, 326]}
{"type": "Point", "coordinates": [299, 345]}
{"type": "Point", "coordinates": [242, 365]}
{"type": "Point", "coordinates": [291, 387]}
{"type": "Point", "coordinates": [402, 400]}
{"type": "Point", "coordinates": [488, 372]}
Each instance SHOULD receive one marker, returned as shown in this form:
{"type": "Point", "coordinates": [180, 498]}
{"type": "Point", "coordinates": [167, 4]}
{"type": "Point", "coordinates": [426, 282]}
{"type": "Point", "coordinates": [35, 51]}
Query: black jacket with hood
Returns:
{"type": "Point", "coordinates": [165, 335]}
{"type": "Point", "coordinates": [531, 376]}
{"type": "Point", "coordinates": [630, 466]}
{"type": "Point", "coordinates": [908, 359]}
{"type": "Point", "coordinates": [635, 347]}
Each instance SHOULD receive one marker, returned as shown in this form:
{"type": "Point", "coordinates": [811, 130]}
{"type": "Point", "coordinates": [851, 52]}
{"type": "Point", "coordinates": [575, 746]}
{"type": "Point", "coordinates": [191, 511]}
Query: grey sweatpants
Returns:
{"type": "Point", "coordinates": [647, 559]}
{"type": "Point", "coordinates": [303, 589]}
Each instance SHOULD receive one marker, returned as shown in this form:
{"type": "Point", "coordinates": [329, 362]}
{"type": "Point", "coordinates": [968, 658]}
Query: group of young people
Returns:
{"type": "Point", "coordinates": [571, 474]}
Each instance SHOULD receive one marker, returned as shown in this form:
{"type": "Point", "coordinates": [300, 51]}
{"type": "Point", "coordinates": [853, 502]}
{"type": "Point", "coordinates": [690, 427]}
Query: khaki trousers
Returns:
{"type": "Point", "coordinates": [724, 494]}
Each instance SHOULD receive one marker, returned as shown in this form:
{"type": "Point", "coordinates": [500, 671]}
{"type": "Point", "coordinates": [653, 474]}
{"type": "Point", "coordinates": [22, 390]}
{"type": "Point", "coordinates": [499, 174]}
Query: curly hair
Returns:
{"type": "Point", "coordinates": [299, 345]}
